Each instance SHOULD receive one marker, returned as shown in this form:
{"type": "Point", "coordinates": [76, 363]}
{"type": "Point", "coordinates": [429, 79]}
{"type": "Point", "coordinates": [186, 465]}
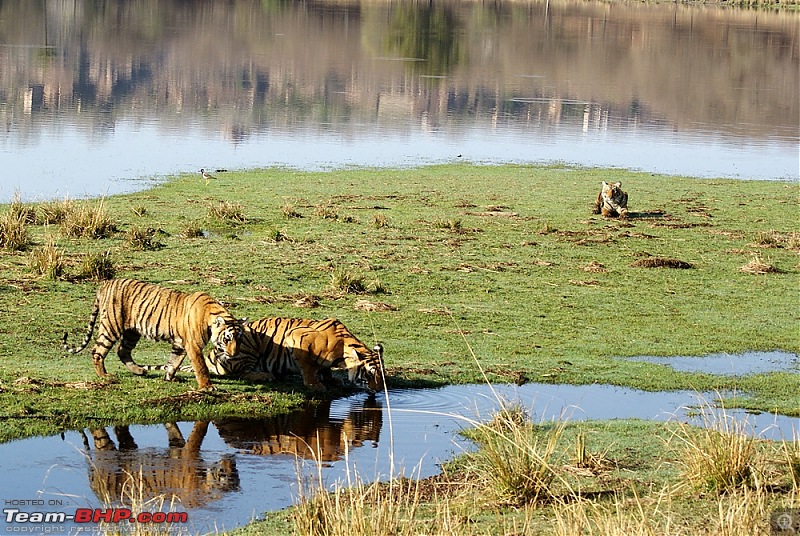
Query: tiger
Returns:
{"type": "Point", "coordinates": [129, 309]}
{"type": "Point", "coordinates": [611, 201]}
{"type": "Point", "coordinates": [272, 347]}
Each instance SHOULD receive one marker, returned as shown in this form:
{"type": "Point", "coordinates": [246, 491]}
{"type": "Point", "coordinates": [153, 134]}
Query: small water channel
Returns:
{"type": "Point", "coordinates": [230, 471]}
{"type": "Point", "coordinates": [731, 364]}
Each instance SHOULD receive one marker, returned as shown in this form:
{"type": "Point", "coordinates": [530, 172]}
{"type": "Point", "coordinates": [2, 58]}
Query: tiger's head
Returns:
{"type": "Point", "coordinates": [612, 190]}
{"type": "Point", "coordinates": [365, 366]}
{"type": "Point", "coordinates": [226, 334]}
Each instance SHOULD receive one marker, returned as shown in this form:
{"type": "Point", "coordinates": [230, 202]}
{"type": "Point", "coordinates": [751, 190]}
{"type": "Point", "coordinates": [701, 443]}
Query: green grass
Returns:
{"type": "Point", "coordinates": [618, 477]}
{"type": "Point", "coordinates": [504, 256]}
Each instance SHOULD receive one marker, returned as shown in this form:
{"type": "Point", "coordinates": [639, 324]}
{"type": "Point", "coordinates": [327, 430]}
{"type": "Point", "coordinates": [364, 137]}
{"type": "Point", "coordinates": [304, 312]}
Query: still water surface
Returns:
{"type": "Point", "coordinates": [230, 471]}
{"type": "Point", "coordinates": [105, 97]}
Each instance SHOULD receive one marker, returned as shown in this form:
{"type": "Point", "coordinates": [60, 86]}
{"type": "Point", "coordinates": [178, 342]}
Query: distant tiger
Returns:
{"type": "Point", "coordinates": [611, 201]}
{"type": "Point", "coordinates": [129, 309]}
{"type": "Point", "coordinates": [273, 347]}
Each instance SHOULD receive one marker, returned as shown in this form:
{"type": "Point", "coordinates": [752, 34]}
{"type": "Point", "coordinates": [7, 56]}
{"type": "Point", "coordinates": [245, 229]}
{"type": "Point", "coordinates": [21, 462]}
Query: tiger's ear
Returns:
{"type": "Point", "coordinates": [618, 184]}
{"type": "Point", "coordinates": [219, 321]}
{"type": "Point", "coordinates": [379, 349]}
{"type": "Point", "coordinates": [605, 185]}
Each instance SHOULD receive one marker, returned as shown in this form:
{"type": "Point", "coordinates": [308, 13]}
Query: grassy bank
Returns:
{"type": "Point", "coordinates": [595, 478]}
{"type": "Point", "coordinates": [508, 258]}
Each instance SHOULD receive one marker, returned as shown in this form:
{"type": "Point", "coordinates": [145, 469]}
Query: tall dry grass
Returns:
{"type": "Point", "coordinates": [48, 260]}
{"type": "Point", "coordinates": [55, 212]}
{"type": "Point", "coordinates": [721, 456]}
{"type": "Point", "coordinates": [88, 221]}
{"type": "Point", "coordinates": [14, 233]}
{"type": "Point", "coordinates": [97, 267]}
{"type": "Point", "coordinates": [135, 496]}
{"type": "Point", "coordinates": [516, 463]}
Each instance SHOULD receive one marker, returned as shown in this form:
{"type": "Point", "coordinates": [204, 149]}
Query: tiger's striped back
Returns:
{"type": "Point", "coordinates": [127, 309]}
{"type": "Point", "coordinates": [273, 347]}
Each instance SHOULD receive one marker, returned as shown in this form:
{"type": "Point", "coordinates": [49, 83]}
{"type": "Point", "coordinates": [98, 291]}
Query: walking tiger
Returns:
{"type": "Point", "coordinates": [127, 310]}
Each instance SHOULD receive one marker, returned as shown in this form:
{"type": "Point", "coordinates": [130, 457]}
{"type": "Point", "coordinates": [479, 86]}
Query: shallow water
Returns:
{"type": "Point", "coordinates": [731, 364]}
{"type": "Point", "coordinates": [102, 100]}
{"type": "Point", "coordinates": [230, 471]}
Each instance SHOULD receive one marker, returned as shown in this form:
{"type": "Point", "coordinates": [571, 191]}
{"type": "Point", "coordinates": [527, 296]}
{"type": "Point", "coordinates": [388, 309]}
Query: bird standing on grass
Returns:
{"type": "Point", "coordinates": [207, 176]}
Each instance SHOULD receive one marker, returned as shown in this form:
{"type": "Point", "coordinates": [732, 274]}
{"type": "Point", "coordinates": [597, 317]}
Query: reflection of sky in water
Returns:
{"type": "Point", "coordinates": [731, 364]}
{"type": "Point", "coordinates": [134, 154]}
{"type": "Point", "coordinates": [424, 425]}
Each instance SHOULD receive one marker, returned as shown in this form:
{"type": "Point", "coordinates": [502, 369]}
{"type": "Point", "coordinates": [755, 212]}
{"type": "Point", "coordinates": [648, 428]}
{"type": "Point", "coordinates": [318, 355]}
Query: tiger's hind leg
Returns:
{"type": "Point", "coordinates": [127, 344]}
{"type": "Point", "coordinates": [174, 362]}
{"type": "Point", "coordinates": [100, 351]}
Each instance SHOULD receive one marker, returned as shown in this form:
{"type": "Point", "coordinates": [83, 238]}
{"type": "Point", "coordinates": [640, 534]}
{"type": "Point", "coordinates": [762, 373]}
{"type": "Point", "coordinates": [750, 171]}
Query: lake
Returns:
{"type": "Point", "coordinates": [105, 97]}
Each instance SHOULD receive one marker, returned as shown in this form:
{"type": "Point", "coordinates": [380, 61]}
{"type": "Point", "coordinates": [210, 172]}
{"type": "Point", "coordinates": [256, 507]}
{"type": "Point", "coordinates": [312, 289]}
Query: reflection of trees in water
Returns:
{"type": "Point", "coordinates": [243, 66]}
{"type": "Point", "coordinates": [426, 34]}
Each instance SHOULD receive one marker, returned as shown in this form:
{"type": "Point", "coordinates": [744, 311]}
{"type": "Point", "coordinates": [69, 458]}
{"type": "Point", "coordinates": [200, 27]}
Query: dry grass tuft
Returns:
{"type": "Point", "coordinates": [452, 224]}
{"type": "Point", "coordinates": [345, 281]}
{"type": "Point", "coordinates": [661, 262]}
{"type": "Point", "coordinates": [326, 211]}
{"type": "Point", "coordinates": [372, 307]}
{"type": "Point", "coordinates": [306, 301]}
{"type": "Point", "coordinates": [380, 221]}
{"type": "Point", "coordinates": [88, 221]}
{"type": "Point", "coordinates": [48, 260]}
{"type": "Point", "coordinates": [277, 235]}
{"type": "Point", "coordinates": [595, 267]}
{"type": "Point", "coordinates": [290, 212]}
{"type": "Point", "coordinates": [55, 212]}
{"type": "Point", "coordinates": [721, 457]}
{"type": "Point", "coordinates": [758, 267]}
{"type": "Point", "coordinates": [792, 449]}
{"type": "Point", "coordinates": [14, 234]}
{"type": "Point", "coordinates": [776, 239]}
{"type": "Point", "coordinates": [584, 283]}
{"type": "Point", "coordinates": [142, 239]}
{"type": "Point", "coordinates": [193, 230]}
{"type": "Point", "coordinates": [98, 267]}
{"type": "Point", "coordinates": [225, 211]}
{"type": "Point", "coordinates": [357, 509]}
{"type": "Point", "coordinates": [21, 211]}
{"type": "Point", "coordinates": [515, 463]}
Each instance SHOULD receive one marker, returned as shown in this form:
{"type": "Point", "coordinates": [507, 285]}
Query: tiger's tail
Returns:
{"type": "Point", "coordinates": [89, 331]}
{"type": "Point", "coordinates": [162, 368]}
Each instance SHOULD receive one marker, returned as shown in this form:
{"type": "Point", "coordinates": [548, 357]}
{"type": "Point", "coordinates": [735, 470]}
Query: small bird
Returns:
{"type": "Point", "coordinates": [207, 176]}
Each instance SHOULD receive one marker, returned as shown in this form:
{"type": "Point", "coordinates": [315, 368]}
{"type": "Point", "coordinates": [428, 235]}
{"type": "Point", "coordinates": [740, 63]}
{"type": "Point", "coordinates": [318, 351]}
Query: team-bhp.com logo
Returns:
{"type": "Point", "coordinates": [15, 516]}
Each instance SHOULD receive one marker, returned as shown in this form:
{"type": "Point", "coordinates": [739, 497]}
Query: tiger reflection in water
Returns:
{"type": "Point", "coordinates": [123, 474]}
{"type": "Point", "coordinates": [309, 433]}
